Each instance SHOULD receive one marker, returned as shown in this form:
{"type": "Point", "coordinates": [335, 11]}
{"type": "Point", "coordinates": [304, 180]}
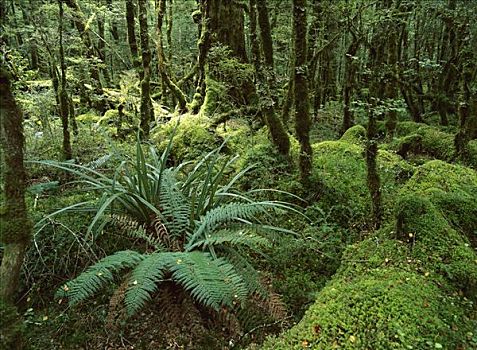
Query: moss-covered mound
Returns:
{"type": "Point", "coordinates": [192, 137]}
{"type": "Point", "coordinates": [429, 141]}
{"type": "Point", "coordinates": [356, 135]}
{"type": "Point", "coordinates": [349, 197]}
{"type": "Point", "coordinates": [411, 285]}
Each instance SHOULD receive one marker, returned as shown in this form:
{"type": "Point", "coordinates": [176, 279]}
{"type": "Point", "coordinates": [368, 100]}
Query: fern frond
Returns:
{"type": "Point", "coordinates": [175, 207]}
{"type": "Point", "coordinates": [134, 229]}
{"type": "Point", "coordinates": [98, 275]}
{"type": "Point", "coordinates": [212, 282]}
{"type": "Point", "coordinates": [249, 274]}
{"type": "Point", "coordinates": [232, 238]}
{"type": "Point", "coordinates": [222, 215]}
{"type": "Point", "coordinates": [144, 279]}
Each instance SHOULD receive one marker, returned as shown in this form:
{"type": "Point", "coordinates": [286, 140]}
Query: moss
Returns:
{"type": "Point", "coordinates": [472, 153]}
{"type": "Point", "coordinates": [405, 286]}
{"type": "Point", "coordinates": [340, 166]}
{"type": "Point", "coordinates": [355, 135]}
{"type": "Point", "coordinates": [192, 137]}
{"type": "Point", "coordinates": [14, 229]}
{"type": "Point", "coordinates": [433, 142]}
{"type": "Point", "coordinates": [11, 327]}
{"type": "Point", "coordinates": [384, 309]}
{"type": "Point", "coordinates": [111, 115]}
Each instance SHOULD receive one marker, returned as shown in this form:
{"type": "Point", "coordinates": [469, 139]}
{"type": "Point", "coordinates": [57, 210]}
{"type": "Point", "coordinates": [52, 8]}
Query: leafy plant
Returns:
{"type": "Point", "coordinates": [197, 226]}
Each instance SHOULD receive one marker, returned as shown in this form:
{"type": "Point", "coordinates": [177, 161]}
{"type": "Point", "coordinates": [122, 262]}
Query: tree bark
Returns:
{"type": "Point", "coordinates": [277, 131]}
{"type": "Point", "coordinates": [161, 10]}
{"type": "Point", "coordinates": [63, 94]}
{"type": "Point", "coordinates": [131, 29]}
{"type": "Point", "coordinates": [302, 116]}
{"type": "Point", "coordinates": [265, 32]}
{"type": "Point", "coordinates": [147, 112]}
{"type": "Point", "coordinates": [15, 233]}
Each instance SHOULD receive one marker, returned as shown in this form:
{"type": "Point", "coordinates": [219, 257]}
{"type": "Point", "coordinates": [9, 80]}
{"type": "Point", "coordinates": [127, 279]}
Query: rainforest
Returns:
{"type": "Point", "coordinates": [238, 174]}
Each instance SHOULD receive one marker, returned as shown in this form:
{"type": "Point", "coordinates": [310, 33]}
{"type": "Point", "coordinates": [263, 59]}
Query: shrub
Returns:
{"type": "Point", "coordinates": [194, 226]}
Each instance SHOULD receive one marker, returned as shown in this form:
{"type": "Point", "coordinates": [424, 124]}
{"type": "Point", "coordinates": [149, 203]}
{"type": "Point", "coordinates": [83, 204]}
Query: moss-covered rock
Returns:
{"type": "Point", "coordinates": [410, 285]}
{"type": "Point", "coordinates": [355, 135]}
{"type": "Point", "coordinates": [341, 168]}
{"type": "Point", "coordinates": [420, 138]}
{"type": "Point", "coordinates": [383, 309]}
{"type": "Point", "coordinates": [192, 137]}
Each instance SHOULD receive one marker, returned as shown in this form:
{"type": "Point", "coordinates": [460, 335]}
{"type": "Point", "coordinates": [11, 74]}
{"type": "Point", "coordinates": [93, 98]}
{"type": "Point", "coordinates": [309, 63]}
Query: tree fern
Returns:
{"type": "Point", "coordinates": [212, 282]}
{"type": "Point", "coordinates": [98, 275]}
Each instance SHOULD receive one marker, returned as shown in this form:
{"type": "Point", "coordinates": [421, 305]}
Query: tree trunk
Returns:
{"type": "Point", "coordinates": [15, 226]}
{"type": "Point", "coordinates": [147, 112]}
{"type": "Point", "coordinates": [227, 24]}
{"type": "Point", "coordinates": [171, 85]}
{"type": "Point", "coordinates": [265, 32]}
{"type": "Point", "coordinates": [277, 131]}
{"type": "Point", "coordinates": [302, 116]}
{"type": "Point", "coordinates": [349, 82]}
{"type": "Point", "coordinates": [373, 180]}
{"type": "Point", "coordinates": [63, 94]}
{"type": "Point", "coordinates": [203, 49]}
{"type": "Point", "coordinates": [131, 29]}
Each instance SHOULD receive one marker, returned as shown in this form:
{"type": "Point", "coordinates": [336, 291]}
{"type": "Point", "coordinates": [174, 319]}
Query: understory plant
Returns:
{"type": "Point", "coordinates": [196, 230]}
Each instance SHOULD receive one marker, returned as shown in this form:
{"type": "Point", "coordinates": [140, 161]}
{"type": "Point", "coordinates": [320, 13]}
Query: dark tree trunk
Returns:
{"type": "Point", "coordinates": [167, 80]}
{"type": "Point", "coordinates": [63, 94]}
{"type": "Point", "coordinates": [226, 23]}
{"type": "Point", "coordinates": [203, 48]}
{"type": "Point", "coordinates": [373, 180]}
{"type": "Point", "coordinates": [102, 48]}
{"type": "Point", "coordinates": [391, 81]}
{"type": "Point", "coordinates": [302, 116]}
{"type": "Point", "coordinates": [131, 28]}
{"type": "Point", "coordinates": [15, 232]}
{"type": "Point", "coordinates": [147, 112]}
{"type": "Point", "coordinates": [277, 131]}
{"type": "Point", "coordinates": [349, 82]}
{"type": "Point", "coordinates": [265, 32]}
{"type": "Point", "coordinates": [112, 23]}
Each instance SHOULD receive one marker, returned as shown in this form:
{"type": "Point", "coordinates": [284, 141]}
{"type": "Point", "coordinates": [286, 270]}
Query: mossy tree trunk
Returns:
{"type": "Point", "coordinates": [265, 32]}
{"type": "Point", "coordinates": [132, 41]}
{"type": "Point", "coordinates": [63, 94]}
{"type": "Point", "coordinates": [277, 131]}
{"type": "Point", "coordinates": [302, 115]}
{"type": "Point", "coordinates": [373, 180]}
{"type": "Point", "coordinates": [203, 45]}
{"type": "Point", "coordinates": [165, 75]}
{"type": "Point", "coordinates": [227, 26]}
{"type": "Point", "coordinates": [147, 112]}
{"type": "Point", "coordinates": [15, 232]}
{"type": "Point", "coordinates": [392, 80]}
{"type": "Point", "coordinates": [349, 80]}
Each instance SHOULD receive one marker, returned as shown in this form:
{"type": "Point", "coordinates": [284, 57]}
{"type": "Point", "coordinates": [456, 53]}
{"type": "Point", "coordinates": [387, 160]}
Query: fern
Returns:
{"type": "Point", "coordinates": [212, 282]}
{"type": "Point", "coordinates": [223, 215]}
{"type": "Point", "coordinates": [232, 238]}
{"type": "Point", "coordinates": [98, 275]}
{"type": "Point", "coordinates": [175, 207]}
{"type": "Point", "coordinates": [144, 279]}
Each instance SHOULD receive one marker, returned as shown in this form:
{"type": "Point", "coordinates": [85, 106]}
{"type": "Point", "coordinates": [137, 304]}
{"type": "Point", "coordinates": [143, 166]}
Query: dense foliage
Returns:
{"type": "Point", "coordinates": [243, 174]}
